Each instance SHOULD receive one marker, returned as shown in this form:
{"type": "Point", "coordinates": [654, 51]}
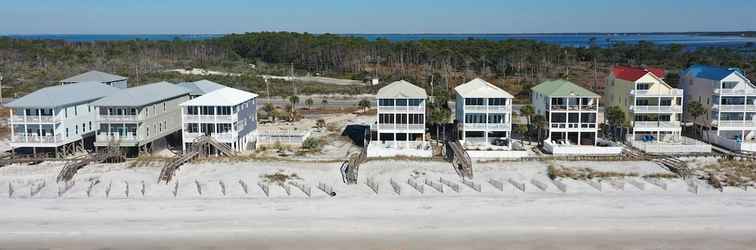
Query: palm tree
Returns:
{"type": "Point", "coordinates": [527, 111]}
{"type": "Point", "coordinates": [519, 129]}
{"type": "Point", "coordinates": [616, 117]}
{"type": "Point", "coordinates": [695, 109]}
{"type": "Point", "coordinates": [324, 102]}
{"type": "Point", "coordinates": [364, 104]}
{"type": "Point", "coordinates": [439, 116]}
{"type": "Point", "coordinates": [309, 102]}
{"type": "Point", "coordinates": [539, 121]}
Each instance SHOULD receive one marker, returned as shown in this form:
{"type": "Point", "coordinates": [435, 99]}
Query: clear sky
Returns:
{"type": "Point", "coordinates": [372, 16]}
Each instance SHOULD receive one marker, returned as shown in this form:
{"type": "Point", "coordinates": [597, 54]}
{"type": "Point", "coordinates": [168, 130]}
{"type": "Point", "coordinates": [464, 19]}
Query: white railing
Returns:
{"type": "Point", "coordinates": [735, 91]}
{"type": "Point", "coordinates": [128, 137]}
{"type": "Point", "coordinates": [402, 109]}
{"type": "Point", "coordinates": [393, 126]}
{"type": "Point", "coordinates": [488, 109]}
{"type": "Point", "coordinates": [574, 107]}
{"type": "Point", "coordinates": [657, 93]}
{"type": "Point", "coordinates": [223, 137]}
{"type": "Point", "coordinates": [573, 125]}
{"type": "Point", "coordinates": [20, 138]}
{"type": "Point", "coordinates": [34, 119]}
{"type": "Point", "coordinates": [735, 124]}
{"type": "Point", "coordinates": [119, 118]}
{"type": "Point", "coordinates": [498, 126]}
{"type": "Point", "coordinates": [210, 118]}
{"type": "Point", "coordinates": [735, 108]}
{"type": "Point", "coordinates": [657, 109]}
{"type": "Point", "coordinates": [657, 124]}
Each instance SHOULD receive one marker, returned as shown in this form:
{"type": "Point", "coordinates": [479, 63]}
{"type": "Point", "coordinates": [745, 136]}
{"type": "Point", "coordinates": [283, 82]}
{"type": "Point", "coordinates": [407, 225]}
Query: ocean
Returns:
{"type": "Point", "coordinates": [572, 40]}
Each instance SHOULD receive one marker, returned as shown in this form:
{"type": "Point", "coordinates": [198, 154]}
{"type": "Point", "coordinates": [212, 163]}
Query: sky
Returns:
{"type": "Point", "coordinates": [372, 16]}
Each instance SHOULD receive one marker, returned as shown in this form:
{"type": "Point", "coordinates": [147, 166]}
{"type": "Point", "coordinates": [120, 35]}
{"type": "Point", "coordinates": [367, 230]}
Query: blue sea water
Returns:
{"type": "Point", "coordinates": [573, 40]}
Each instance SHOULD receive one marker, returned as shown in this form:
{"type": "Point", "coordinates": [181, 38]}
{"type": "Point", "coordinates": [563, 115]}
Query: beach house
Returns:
{"type": "Point", "coordinates": [138, 119]}
{"type": "Point", "coordinates": [57, 120]}
{"type": "Point", "coordinates": [571, 114]}
{"type": "Point", "coordinates": [729, 99]}
{"type": "Point", "coordinates": [400, 124]}
{"type": "Point", "coordinates": [484, 118]}
{"type": "Point", "coordinates": [101, 77]}
{"type": "Point", "coordinates": [227, 115]}
{"type": "Point", "coordinates": [653, 109]}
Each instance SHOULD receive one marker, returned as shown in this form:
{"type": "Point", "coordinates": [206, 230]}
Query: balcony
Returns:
{"type": "Point", "coordinates": [657, 93]}
{"type": "Point", "coordinates": [488, 109]}
{"type": "Point", "coordinates": [229, 137]}
{"type": "Point", "coordinates": [487, 126]}
{"type": "Point", "coordinates": [119, 118]}
{"type": "Point", "coordinates": [574, 108]}
{"type": "Point", "coordinates": [735, 92]}
{"type": "Point", "coordinates": [656, 109]}
{"type": "Point", "coordinates": [745, 124]}
{"type": "Point", "coordinates": [210, 118]}
{"type": "Point", "coordinates": [125, 138]}
{"type": "Point", "coordinates": [572, 125]}
{"type": "Point", "coordinates": [35, 119]}
{"type": "Point", "coordinates": [735, 108]}
{"type": "Point", "coordinates": [656, 125]}
{"type": "Point", "coordinates": [34, 138]}
{"type": "Point", "coordinates": [401, 109]}
{"type": "Point", "coordinates": [403, 127]}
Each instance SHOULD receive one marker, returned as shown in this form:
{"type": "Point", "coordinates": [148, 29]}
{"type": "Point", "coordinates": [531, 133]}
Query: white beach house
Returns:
{"type": "Point", "coordinates": [571, 114]}
{"type": "Point", "coordinates": [484, 116]}
{"type": "Point", "coordinates": [653, 108]}
{"type": "Point", "coordinates": [51, 119]}
{"type": "Point", "coordinates": [136, 117]}
{"type": "Point", "coordinates": [101, 77]}
{"type": "Point", "coordinates": [227, 115]}
{"type": "Point", "coordinates": [729, 99]}
{"type": "Point", "coordinates": [400, 121]}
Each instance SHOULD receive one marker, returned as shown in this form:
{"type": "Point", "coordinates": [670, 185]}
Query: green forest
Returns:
{"type": "Point", "coordinates": [515, 65]}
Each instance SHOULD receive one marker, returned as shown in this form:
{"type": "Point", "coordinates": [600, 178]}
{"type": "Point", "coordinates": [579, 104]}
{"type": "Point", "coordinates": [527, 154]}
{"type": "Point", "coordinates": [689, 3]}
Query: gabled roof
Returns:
{"type": "Point", "coordinates": [712, 72]}
{"type": "Point", "coordinates": [143, 95]}
{"type": "Point", "coordinates": [221, 97]}
{"type": "Point", "coordinates": [201, 87]}
{"type": "Point", "coordinates": [481, 89]}
{"type": "Point", "coordinates": [94, 76]}
{"type": "Point", "coordinates": [63, 95]}
{"type": "Point", "coordinates": [562, 88]}
{"type": "Point", "coordinates": [634, 73]}
{"type": "Point", "coordinates": [401, 89]}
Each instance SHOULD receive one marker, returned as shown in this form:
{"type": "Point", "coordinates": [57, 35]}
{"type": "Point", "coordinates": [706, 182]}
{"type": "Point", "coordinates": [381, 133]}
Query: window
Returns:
{"type": "Point", "coordinates": [401, 118]}
{"type": "Point", "coordinates": [475, 118]}
{"type": "Point", "coordinates": [497, 101]}
{"type": "Point", "coordinates": [77, 129]}
{"type": "Point", "coordinates": [729, 85]}
{"type": "Point", "coordinates": [386, 118]}
{"type": "Point", "coordinates": [401, 102]}
{"type": "Point", "coordinates": [385, 102]}
{"type": "Point", "coordinates": [83, 127]}
{"type": "Point", "coordinates": [415, 102]}
{"type": "Point", "coordinates": [416, 119]}
{"type": "Point", "coordinates": [643, 86]}
{"type": "Point", "coordinates": [76, 110]}
{"type": "Point", "coordinates": [224, 127]}
{"type": "Point", "coordinates": [89, 109]}
{"type": "Point", "coordinates": [666, 102]}
{"type": "Point", "coordinates": [497, 118]}
{"type": "Point", "coordinates": [474, 101]}
{"type": "Point", "coordinates": [65, 110]}
{"type": "Point", "coordinates": [66, 132]}
{"type": "Point", "coordinates": [164, 107]}
{"type": "Point", "coordinates": [192, 127]}
{"type": "Point", "coordinates": [90, 125]}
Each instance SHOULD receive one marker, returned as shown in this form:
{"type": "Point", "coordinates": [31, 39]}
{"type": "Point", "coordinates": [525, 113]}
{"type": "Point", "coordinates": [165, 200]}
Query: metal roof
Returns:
{"type": "Point", "coordinates": [94, 76]}
{"type": "Point", "coordinates": [401, 89]}
{"type": "Point", "coordinates": [481, 89]}
{"type": "Point", "coordinates": [63, 95]}
{"type": "Point", "coordinates": [143, 95]}
{"type": "Point", "coordinates": [201, 87]}
{"type": "Point", "coordinates": [221, 97]}
{"type": "Point", "coordinates": [562, 88]}
{"type": "Point", "coordinates": [712, 72]}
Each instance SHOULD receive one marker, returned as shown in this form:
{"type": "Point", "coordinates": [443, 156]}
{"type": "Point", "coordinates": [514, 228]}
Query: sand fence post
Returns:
{"type": "Point", "coordinates": [540, 185]}
{"type": "Point", "coordinates": [517, 184]}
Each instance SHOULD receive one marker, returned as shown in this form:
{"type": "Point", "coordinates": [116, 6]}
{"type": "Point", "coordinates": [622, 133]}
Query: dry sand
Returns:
{"type": "Point", "coordinates": [357, 218]}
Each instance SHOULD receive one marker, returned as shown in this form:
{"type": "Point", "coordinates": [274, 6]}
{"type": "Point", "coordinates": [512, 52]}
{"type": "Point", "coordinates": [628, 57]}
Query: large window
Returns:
{"type": "Point", "coordinates": [497, 101]}
{"type": "Point", "coordinates": [728, 116]}
{"type": "Point", "coordinates": [401, 102]}
{"type": "Point", "coordinates": [416, 119]}
{"type": "Point", "coordinates": [192, 110]}
{"type": "Point", "coordinates": [643, 86]}
{"type": "Point", "coordinates": [385, 102]}
{"type": "Point", "coordinates": [475, 118]}
{"type": "Point", "coordinates": [729, 85]}
{"type": "Point", "coordinates": [497, 118]}
{"type": "Point", "coordinates": [474, 101]}
{"type": "Point", "coordinates": [224, 110]}
{"type": "Point", "coordinates": [733, 100]}
{"type": "Point", "coordinates": [224, 127]}
{"type": "Point", "coordinates": [415, 102]}
{"type": "Point", "coordinates": [386, 118]}
{"type": "Point", "coordinates": [401, 118]}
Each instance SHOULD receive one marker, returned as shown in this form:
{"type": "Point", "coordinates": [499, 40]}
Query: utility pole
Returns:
{"type": "Point", "coordinates": [1, 88]}
{"type": "Point", "coordinates": [267, 88]}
